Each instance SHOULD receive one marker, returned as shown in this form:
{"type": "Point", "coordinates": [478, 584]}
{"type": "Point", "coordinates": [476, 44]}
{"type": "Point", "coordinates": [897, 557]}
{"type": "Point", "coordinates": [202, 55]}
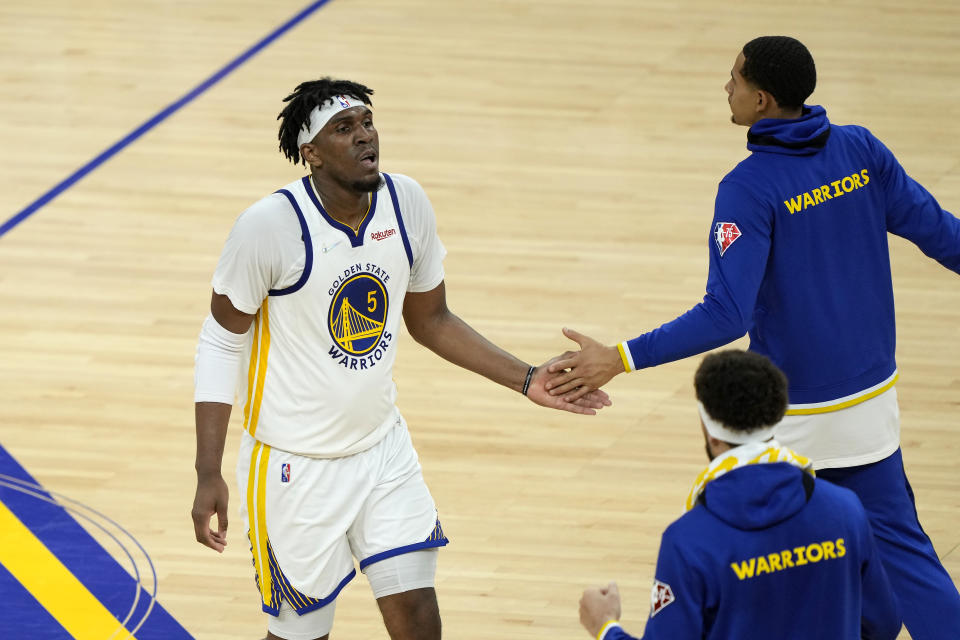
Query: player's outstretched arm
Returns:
{"type": "Point", "coordinates": [578, 374]}
{"type": "Point", "coordinates": [434, 326]}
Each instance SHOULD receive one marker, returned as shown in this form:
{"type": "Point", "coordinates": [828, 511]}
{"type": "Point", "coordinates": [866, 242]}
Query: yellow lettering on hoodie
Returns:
{"type": "Point", "coordinates": [744, 569]}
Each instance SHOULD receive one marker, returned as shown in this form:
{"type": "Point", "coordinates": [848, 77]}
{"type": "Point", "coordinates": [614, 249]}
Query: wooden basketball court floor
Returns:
{"type": "Point", "coordinates": [571, 151]}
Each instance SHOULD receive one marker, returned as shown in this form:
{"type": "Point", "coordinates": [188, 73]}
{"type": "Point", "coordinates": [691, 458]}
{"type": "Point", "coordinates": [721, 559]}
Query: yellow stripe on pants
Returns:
{"type": "Point", "coordinates": [256, 513]}
{"type": "Point", "coordinates": [52, 584]}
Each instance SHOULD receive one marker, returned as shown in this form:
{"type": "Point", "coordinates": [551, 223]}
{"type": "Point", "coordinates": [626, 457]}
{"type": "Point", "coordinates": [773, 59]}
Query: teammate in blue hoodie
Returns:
{"type": "Point", "coordinates": [764, 549]}
{"type": "Point", "coordinates": [799, 260]}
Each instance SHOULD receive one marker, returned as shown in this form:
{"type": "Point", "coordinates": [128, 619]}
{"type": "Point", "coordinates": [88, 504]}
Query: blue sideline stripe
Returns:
{"type": "Point", "coordinates": [124, 142]}
{"type": "Point", "coordinates": [100, 573]}
{"type": "Point", "coordinates": [21, 616]}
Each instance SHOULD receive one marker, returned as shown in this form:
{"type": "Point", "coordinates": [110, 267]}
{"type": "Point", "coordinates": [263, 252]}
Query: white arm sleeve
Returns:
{"type": "Point", "coordinates": [217, 363]}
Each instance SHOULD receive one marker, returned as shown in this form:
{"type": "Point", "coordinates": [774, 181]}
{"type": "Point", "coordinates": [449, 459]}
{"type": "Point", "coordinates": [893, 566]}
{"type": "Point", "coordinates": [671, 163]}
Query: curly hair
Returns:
{"type": "Point", "coordinates": [781, 66]}
{"type": "Point", "coordinates": [301, 102]}
{"type": "Point", "coordinates": [743, 390]}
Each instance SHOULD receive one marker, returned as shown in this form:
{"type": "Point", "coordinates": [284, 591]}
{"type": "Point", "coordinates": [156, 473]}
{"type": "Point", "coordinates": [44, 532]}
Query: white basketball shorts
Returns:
{"type": "Point", "coordinates": [307, 518]}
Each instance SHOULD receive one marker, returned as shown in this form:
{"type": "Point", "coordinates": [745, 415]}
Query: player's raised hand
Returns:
{"type": "Point", "coordinates": [586, 403]}
{"type": "Point", "coordinates": [211, 499]}
{"type": "Point", "coordinates": [598, 606]}
{"type": "Point", "coordinates": [580, 373]}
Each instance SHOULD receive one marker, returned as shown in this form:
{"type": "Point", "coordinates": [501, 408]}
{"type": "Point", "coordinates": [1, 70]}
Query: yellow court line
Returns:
{"type": "Point", "coordinates": [52, 584]}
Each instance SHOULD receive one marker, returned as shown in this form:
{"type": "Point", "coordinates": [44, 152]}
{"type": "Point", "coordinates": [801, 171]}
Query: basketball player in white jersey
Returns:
{"type": "Point", "coordinates": [322, 270]}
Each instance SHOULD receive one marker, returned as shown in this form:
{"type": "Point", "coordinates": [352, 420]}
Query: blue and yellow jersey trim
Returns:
{"type": "Point", "coordinates": [625, 356]}
{"type": "Point", "coordinates": [282, 591]}
{"type": "Point", "coordinates": [256, 513]}
{"type": "Point", "coordinates": [257, 370]}
{"type": "Point", "coordinates": [354, 234]}
{"type": "Point", "coordinates": [844, 402]}
{"type": "Point", "coordinates": [435, 539]}
{"type": "Point", "coordinates": [610, 624]}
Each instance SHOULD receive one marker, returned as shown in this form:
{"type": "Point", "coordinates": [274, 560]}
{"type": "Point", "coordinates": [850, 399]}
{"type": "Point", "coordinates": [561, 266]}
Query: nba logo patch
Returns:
{"type": "Point", "coordinates": [285, 472]}
{"type": "Point", "coordinates": [725, 233]}
{"type": "Point", "coordinates": [344, 102]}
{"type": "Point", "coordinates": [660, 596]}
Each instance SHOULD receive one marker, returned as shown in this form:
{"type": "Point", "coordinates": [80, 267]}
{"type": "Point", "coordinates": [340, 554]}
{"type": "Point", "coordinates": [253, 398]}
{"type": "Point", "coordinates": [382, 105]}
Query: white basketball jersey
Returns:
{"type": "Point", "coordinates": [318, 379]}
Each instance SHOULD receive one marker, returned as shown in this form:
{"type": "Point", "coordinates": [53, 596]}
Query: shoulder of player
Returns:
{"type": "Point", "coordinates": [691, 539]}
{"type": "Point", "coordinates": [406, 186]}
{"type": "Point", "coordinates": [689, 526]}
{"type": "Point", "coordinates": [413, 200]}
{"type": "Point", "coordinates": [843, 506]}
{"type": "Point", "coordinates": [836, 496]}
{"type": "Point", "coordinates": [401, 180]}
{"type": "Point", "coordinates": [852, 130]}
{"type": "Point", "coordinates": [744, 187]}
{"type": "Point", "coordinates": [269, 216]}
{"type": "Point", "coordinates": [861, 138]}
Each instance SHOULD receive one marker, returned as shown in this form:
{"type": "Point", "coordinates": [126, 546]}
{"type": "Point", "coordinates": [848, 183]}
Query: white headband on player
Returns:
{"type": "Point", "coordinates": [722, 432]}
{"type": "Point", "coordinates": [321, 115]}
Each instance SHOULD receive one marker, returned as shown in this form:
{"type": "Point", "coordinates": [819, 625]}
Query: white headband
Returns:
{"type": "Point", "coordinates": [722, 432]}
{"type": "Point", "coordinates": [321, 115]}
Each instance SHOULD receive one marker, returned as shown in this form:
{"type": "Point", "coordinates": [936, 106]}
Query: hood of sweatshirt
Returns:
{"type": "Point", "coordinates": [758, 496]}
{"type": "Point", "coordinates": [805, 135]}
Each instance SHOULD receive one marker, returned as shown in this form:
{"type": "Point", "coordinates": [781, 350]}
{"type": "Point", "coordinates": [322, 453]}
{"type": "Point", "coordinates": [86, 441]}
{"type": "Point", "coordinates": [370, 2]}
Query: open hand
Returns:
{"type": "Point", "coordinates": [580, 373]}
{"type": "Point", "coordinates": [585, 403]}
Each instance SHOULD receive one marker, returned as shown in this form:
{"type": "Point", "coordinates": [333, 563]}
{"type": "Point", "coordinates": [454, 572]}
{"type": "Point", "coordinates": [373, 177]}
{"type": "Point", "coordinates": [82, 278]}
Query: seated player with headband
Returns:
{"type": "Point", "coordinates": [764, 549]}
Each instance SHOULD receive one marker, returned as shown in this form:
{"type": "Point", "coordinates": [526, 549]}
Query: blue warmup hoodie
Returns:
{"type": "Point", "coordinates": [799, 258]}
{"type": "Point", "coordinates": [769, 552]}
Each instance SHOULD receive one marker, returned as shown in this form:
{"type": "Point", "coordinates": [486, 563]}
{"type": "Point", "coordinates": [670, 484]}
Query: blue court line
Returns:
{"type": "Point", "coordinates": [53, 520]}
{"type": "Point", "coordinates": [172, 108]}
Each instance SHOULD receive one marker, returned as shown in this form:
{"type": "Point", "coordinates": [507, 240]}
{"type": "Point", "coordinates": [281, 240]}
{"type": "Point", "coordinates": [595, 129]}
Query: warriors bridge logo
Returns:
{"type": "Point", "coordinates": [358, 313]}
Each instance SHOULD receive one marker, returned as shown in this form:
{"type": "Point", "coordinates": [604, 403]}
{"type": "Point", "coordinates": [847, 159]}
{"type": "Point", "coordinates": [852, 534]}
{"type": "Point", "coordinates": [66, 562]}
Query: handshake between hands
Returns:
{"type": "Point", "coordinates": [572, 380]}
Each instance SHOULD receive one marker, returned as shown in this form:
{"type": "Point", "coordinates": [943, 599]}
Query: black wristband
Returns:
{"type": "Point", "coordinates": [526, 383]}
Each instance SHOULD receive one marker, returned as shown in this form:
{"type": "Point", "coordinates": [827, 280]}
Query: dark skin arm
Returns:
{"type": "Point", "coordinates": [431, 324]}
{"type": "Point", "coordinates": [434, 326]}
{"type": "Point", "coordinates": [212, 418]}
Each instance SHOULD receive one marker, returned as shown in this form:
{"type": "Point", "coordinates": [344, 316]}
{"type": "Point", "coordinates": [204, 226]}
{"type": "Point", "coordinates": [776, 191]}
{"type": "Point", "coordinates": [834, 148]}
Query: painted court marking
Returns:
{"type": "Point", "coordinates": [172, 108]}
{"type": "Point", "coordinates": [52, 584]}
{"type": "Point", "coordinates": [100, 521]}
{"type": "Point", "coordinates": [43, 550]}
{"type": "Point", "coordinates": [59, 582]}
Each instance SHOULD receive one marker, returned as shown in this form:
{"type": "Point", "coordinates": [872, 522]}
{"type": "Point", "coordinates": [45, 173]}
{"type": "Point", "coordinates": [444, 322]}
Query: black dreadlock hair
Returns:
{"type": "Point", "coordinates": [742, 390]}
{"type": "Point", "coordinates": [781, 66]}
{"type": "Point", "coordinates": [301, 102]}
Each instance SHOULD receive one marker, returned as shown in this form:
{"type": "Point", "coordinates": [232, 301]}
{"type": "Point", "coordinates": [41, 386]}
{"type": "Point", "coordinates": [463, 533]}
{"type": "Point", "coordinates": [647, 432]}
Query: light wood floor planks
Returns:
{"type": "Point", "coordinates": [571, 151]}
